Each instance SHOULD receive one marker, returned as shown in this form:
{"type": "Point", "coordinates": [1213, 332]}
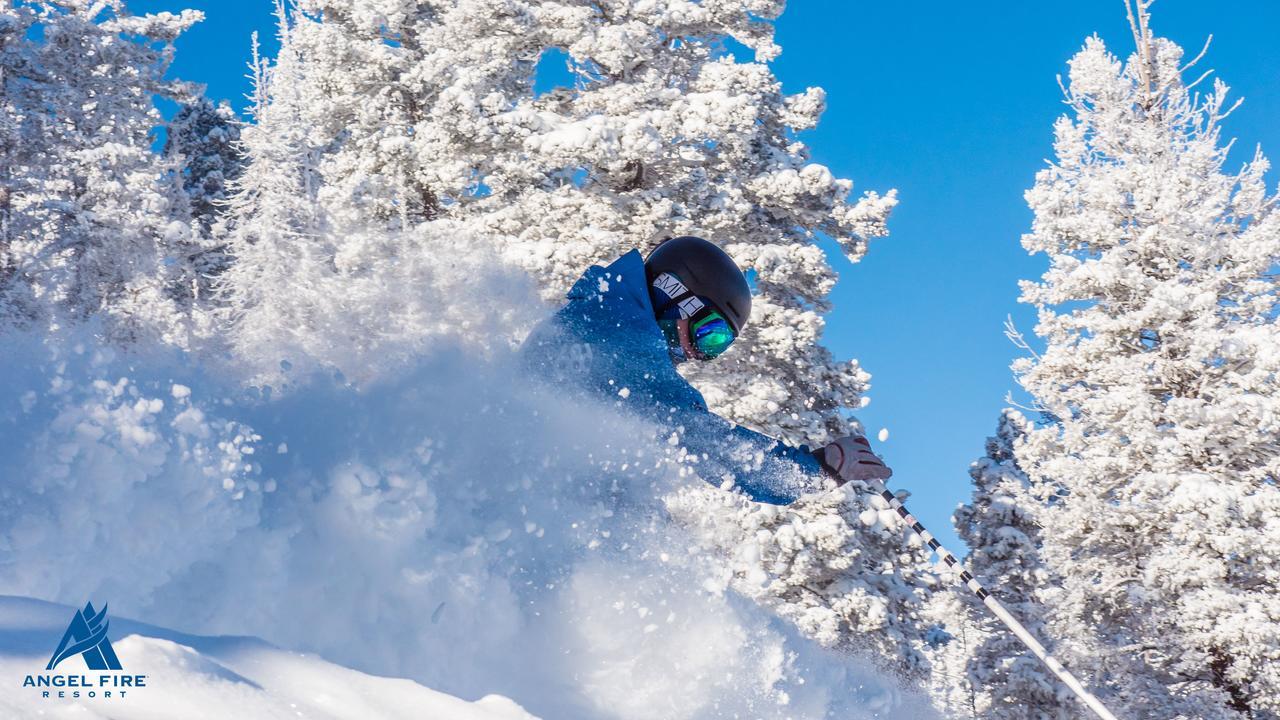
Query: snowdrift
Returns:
{"type": "Point", "coordinates": [214, 678]}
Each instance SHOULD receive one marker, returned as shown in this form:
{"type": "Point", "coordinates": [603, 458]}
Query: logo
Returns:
{"type": "Point", "coordinates": [87, 636]}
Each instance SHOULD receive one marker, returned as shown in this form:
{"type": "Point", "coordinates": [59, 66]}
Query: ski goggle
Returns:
{"type": "Point", "coordinates": [711, 335]}
{"type": "Point", "coordinates": [703, 337]}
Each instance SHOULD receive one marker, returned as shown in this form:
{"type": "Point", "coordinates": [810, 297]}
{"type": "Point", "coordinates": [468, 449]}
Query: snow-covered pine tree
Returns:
{"type": "Point", "coordinates": [279, 254]}
{"type": "Point", "coordinates": [426, 110]}
{"type": "Point", "coordinates": [999, 526]}
{"type": "Point", "coordinates": [204, 143]}
{"type": "Point", "coordinates": [332, 266]}
{"type": "Point", "coordinates": [92, 228]}
{"type": "Point", "coordinates": [20, 144]}
{"type": "Point", "coordinates": [14, 149]}
{"type": "Point", "coordinates": [203, 140]}
{"type": "Point", "coordinates": [954, 633]}
{"type": "Point", "coordinates": [1161, 373]}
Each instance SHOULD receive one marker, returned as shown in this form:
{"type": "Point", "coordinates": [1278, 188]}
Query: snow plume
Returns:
{"type": "Point", "coordinates": [444, 521]}
{"type": "Point", "coordinates": [365, 301]}
{"type": "Point", "coordinates": [103, 458]}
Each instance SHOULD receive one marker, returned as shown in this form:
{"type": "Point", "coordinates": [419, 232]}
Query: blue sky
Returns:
{"type": "Point", "coordinates": [952, 104]}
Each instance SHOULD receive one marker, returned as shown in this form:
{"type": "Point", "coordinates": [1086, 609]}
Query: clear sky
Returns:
{"type": "Point", "coordinates": [952, 103]}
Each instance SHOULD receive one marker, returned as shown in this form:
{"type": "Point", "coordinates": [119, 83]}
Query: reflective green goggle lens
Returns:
{"type": "Point", "coordinates": [711, 335]}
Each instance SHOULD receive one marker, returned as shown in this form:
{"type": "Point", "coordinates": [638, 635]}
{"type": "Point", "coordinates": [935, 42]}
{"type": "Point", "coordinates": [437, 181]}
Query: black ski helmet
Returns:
{"type": "Point", "coordinates": [707, 271]}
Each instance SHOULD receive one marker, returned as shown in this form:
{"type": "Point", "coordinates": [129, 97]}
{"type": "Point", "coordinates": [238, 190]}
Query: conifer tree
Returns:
{"type": "Point", "coordinates": [92, 227]}
{"type": "Point", "coordinates": [204, 144]}
{"type": "Point", "coordinates": [952, 637]}
{"type": "Point", "coordinates": [1159, 373]}
{"type": "Point", "coordinates": [331, 267]}
{"type": "Point", "coordinates": [279, 253]}
{"type": "Point", "coordinates": [1000, 528]}
{"type": "Point", "coordinates": [15, 149]}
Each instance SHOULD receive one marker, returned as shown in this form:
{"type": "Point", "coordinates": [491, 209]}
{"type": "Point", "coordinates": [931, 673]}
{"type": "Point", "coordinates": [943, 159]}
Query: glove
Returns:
{"type": "Point", "coordinates": [850, 458]}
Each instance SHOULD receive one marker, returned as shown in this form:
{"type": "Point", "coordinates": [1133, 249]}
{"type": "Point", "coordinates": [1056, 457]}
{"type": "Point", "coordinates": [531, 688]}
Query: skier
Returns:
{"type": "Point", "coordinates": [626, 327]}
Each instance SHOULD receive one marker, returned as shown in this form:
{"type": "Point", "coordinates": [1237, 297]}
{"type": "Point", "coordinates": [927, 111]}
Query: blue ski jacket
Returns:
{"type": "Point", "coordinates": [606, 342]}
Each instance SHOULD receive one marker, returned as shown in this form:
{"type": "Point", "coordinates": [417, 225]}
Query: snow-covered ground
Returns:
{"type": "Point", "coordinates": [196, 678]}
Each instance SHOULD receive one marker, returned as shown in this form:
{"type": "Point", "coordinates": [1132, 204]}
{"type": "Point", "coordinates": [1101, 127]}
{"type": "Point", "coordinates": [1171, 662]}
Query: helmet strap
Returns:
{"type": "Point", "coordinates": [678, 295]}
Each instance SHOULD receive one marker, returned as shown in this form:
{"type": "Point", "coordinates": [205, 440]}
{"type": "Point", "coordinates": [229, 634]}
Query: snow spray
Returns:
{"type": "Point", "coordinates": [995, 607]}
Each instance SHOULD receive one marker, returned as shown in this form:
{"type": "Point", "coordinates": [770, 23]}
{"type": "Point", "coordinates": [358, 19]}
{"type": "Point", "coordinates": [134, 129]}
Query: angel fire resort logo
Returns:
{"type": "Point", "coordinates": [86, 636]}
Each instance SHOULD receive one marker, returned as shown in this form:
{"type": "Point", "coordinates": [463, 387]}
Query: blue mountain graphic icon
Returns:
{"type": "Point", "coordinates": [87, 636]}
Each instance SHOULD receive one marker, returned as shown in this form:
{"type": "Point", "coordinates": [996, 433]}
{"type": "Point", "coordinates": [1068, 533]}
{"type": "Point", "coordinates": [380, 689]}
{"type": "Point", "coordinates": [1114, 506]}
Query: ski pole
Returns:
{"type": "Point", "coordinates": [995, 607]}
